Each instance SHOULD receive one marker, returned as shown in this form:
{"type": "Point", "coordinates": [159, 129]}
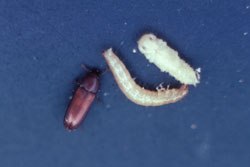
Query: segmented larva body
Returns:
{"type": "Point", "coordinates": [136, 93]}
{"type": "Point", "coordinates": [166, 59]}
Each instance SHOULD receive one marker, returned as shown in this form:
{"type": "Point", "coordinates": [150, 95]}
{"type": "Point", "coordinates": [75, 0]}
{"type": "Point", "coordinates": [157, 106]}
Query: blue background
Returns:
{"type": "Point", "coordinates": [44, 43]}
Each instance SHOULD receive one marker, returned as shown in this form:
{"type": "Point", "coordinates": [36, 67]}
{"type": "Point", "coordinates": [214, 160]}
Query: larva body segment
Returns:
{"type": "Point", "coordinates": [136, 93]}
{"type": "Point", "coordinates": [166, 59]}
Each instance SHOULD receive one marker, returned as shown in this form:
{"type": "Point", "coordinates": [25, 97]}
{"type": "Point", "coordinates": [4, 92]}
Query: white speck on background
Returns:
{"type": "Point", "coordinates": [105, 94]}
{"type": "Point", "coordinates": [241, 80]}
{"type": "Point", "coordinates": [198, 70]}
{"type": "Point", "coordinates": [179, 10]}
{"type": "Point", "coordinates": [245, 33]}
{"type": "Point", "coordinates": [122, 42]}
{"type": "Point", "coordinates": [193, 126]}
{"type": "Point", "coordinates": [248, 6]}
{"type": "Point", "coordinates": [203, 148]}
{"type": "Point", "coordinates": [125, 23]}
{"type": "Point", "coordinates": [134, 50]}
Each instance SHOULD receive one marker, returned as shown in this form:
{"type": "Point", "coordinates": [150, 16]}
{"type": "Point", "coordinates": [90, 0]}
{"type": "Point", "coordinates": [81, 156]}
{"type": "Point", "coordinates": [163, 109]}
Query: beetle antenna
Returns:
{"type": "Point", "coordinates": [86, 68]}
{"type": "Point", "coordinates": [103, 72]}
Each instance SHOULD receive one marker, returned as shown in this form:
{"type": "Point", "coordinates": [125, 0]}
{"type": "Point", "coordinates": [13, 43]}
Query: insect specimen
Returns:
{"type": "Point", "coordinates": [136, 93]}
{"type": "Point", "coordinates": [82, 100]}
{"type": "Point", "coordinates": [167, 60]}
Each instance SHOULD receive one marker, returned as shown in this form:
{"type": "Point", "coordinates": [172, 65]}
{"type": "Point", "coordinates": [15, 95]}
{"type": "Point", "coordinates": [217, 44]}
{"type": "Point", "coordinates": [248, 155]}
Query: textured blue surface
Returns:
{"type": "Point", "coordinates": [44, 43]}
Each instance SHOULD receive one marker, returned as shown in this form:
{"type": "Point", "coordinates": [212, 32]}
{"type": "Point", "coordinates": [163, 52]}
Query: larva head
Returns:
{"type": "Point", "coordinates": [147, 44]}
{"type": "Point", "coordinates": [107, 53]}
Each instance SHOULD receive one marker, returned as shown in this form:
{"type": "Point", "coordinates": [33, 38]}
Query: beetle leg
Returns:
{"type": "Point", "coordinates": [77, 81]}
{"type": "Point", "coordinates": [99, 101]}
{"type": "Point", "coordinates": [81, 85]}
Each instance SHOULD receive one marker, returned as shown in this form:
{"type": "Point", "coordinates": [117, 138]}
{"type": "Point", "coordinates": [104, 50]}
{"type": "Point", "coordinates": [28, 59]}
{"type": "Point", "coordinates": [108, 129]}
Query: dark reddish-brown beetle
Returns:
{"type": "Point", "coordinates": [82, 100]}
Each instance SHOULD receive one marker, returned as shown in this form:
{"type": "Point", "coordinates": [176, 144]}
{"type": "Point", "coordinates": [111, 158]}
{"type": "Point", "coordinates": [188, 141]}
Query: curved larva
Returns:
{"type": "Point", "coordinates": [166, 59]}
{"type": "Point", "coordinates": [136, 93]}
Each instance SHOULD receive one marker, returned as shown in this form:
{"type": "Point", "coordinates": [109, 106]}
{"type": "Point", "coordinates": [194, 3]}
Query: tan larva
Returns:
{"type": "Point", "coordinates": [166, 59]}
{"type": "Point", "coordinates": [136, 93]}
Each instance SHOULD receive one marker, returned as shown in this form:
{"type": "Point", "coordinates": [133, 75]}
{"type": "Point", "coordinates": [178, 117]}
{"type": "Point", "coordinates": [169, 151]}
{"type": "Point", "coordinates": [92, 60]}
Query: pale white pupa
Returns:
{"type": "Point", "coordinates": [136, 93]}
{"type": "Point", "coordinates": [167, 60]}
